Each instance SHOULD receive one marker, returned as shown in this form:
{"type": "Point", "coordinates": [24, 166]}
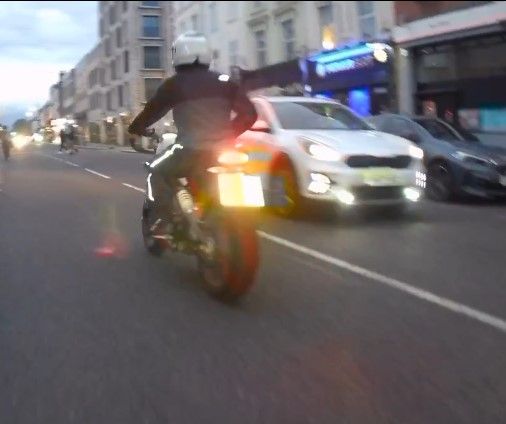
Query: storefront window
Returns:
{"type": "Point", "coordinates": [436, 64]}
{"type": "Point", "coordinates": [482, 59]}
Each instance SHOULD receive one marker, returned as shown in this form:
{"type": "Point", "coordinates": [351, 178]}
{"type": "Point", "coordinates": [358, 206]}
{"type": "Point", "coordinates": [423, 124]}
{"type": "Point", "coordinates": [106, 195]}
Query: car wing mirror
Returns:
{"type": "Point", "coordinates": [261, 126]}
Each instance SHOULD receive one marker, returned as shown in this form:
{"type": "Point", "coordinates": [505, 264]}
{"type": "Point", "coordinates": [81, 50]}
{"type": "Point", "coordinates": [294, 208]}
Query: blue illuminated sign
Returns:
{"type": "Point", "coordinates": [361, 56]}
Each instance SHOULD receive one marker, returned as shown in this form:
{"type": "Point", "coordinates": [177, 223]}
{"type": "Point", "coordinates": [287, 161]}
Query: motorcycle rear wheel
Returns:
{"type": "Point", "coordinates": [229, 272]}
{"type": "Point", "coordinates": [153, 246]}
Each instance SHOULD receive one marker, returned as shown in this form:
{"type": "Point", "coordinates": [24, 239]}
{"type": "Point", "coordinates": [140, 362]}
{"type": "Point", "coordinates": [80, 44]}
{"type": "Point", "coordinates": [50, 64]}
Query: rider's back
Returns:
{"type": "Point", "coordinates": [203, 102]}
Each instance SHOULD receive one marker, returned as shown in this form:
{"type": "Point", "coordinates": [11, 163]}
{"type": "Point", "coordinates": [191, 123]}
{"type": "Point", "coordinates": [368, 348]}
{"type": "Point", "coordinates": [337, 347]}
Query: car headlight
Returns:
{"type": "Point", "coordinates": [319, 151]}
{"type": "Point", "coordinates": [415, 152]}
{"type": "Point", "coordinates": [473, 159]}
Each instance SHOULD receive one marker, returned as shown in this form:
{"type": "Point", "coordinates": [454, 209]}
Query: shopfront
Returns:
{"type": "Point", "coordinates": [463, 82]}
{"type": "Point", "coordinates": [358, 76]}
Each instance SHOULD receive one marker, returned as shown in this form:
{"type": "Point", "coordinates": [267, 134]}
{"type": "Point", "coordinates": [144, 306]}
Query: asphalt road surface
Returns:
{"type": "Point", "coordinates": [367, 320]}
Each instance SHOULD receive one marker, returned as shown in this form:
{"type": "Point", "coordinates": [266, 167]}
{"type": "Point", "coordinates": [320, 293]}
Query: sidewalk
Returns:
{"type": "Point", "coordinates": [100, 146]}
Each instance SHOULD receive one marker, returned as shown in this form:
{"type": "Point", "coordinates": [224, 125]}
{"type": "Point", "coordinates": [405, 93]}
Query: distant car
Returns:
{"type": "Point", "coordinates": [322, 151]}
{"type": "Point", "coordinates": [457, 162]}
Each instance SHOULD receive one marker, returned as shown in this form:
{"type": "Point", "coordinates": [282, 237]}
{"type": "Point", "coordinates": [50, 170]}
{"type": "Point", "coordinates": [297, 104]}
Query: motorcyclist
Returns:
{"type": "Point", "coordinates": [6, 142]}
{"type": "Point", "coordinates": [202, 102]}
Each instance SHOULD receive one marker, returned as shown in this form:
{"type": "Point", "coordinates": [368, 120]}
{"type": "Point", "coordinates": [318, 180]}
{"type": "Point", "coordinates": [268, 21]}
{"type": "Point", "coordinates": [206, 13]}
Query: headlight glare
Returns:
{"type": "Point", "coordinates": [320, 151]}
{"type": "Point", "coordinates": [415, 152]}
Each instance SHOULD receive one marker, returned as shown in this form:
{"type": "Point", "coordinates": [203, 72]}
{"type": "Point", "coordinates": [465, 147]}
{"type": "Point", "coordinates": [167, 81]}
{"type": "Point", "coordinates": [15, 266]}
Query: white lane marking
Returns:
{"type": "Point", "coordinates": [72, 163]}
{"type": "Point", "coordinates": [91, 171]}
{"type": "Point", "coordinates": [451, 305]}
{"type": "Point", "coordinates": [134, 187]}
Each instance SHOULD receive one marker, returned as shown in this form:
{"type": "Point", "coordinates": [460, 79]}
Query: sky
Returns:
{"type": "Point", "coordinates": [37, 40]}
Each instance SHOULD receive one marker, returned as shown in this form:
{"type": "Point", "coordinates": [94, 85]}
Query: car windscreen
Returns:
{"type": "Point", "coordinates": [466, 135]}
{"type": "Point", "coordinates": [438, 130]}
{"type": "Point", "coordinates": [317, 116]}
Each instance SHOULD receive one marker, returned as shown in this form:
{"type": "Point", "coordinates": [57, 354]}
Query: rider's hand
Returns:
{"type": "Point", "coordinates": [149, 132]}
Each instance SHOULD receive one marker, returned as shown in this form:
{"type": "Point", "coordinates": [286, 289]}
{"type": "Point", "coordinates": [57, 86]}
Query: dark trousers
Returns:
{"type": "Point", "coordinates": [176, 162]}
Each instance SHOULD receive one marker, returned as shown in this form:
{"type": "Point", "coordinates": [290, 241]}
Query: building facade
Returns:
{"type": "Point", "coordinates": [267, 43]}
{"type": "Point", "coordinates": [133, 59]}
{"type": "Point", "coordinates": [451, 65]}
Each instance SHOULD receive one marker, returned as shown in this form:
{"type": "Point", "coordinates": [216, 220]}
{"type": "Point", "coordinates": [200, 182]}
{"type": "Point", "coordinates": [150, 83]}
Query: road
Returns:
{"type": "Point", "coordinates": [369, 320]}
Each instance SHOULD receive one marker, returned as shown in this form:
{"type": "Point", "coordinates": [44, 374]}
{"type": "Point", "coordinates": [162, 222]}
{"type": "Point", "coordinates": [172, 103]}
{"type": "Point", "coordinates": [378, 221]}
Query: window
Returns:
{"type": "Point", "coordinates": [366, 19]}
{"type": "Point", "coordinates": [120, 96]}
{"type": "Point", "coordinates": [325, 17]}
{"type": "Point", "coordinates": [125, 6]}
{"type": "Point", "coordinates": [151, 3]}
{"type": "Point", "coordinates": [109, 100]}
{"type": "Point", "coordinates": [92, 78]}
{"type": "Point", "coordinates": [112, 14]}
{"type": "Point", "coordinates": [113, 70]}
{"type": "Point", "coordinates": [126, 94]}
{"type": "Point", "coordinates": [213, 18]}
{"type": "Point", "coordinates": [288, 38]}
{"type": "Point", "coordinates": [261, 48]}
{"type": "Point", "coordinates": [151, 26]}
{"type": "Point", "coordinates": [107, 47]}
{"type": "Point", "coordinates": [102, 76]}
{"type": "Point", "coordinates": [232, 52]}
{"type": "Point", "coordinates": [195, 23]}
{"type": "Point", "coordinates": [152, 57]}
{"type": "Point", "coordinates": [126, 64]}
{"type": "Point", "coordinates": [232, 10]}
{"type": "Point", "coordinates": [101, 27]}
{"type": "Point", "coordinates": [118, 37]}
{"type": "Point", "coordinates": [182, 27]}
{"type": "Point", "coordinates": [150, 86]}
{"type": "Point", "coordinates": [124, 32]}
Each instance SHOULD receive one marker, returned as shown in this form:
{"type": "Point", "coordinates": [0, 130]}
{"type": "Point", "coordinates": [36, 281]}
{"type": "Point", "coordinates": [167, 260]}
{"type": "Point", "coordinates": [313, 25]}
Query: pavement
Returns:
{"type": "Point", "coordinates": [365, 320]}
{"type": "Point", "coordinates": [101, 146]}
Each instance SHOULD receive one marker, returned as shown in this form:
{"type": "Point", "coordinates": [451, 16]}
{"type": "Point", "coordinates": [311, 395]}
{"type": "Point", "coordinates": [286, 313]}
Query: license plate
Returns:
{"type": "Point", "coordinates": [239, 190]}
{"type": "Point", "coordinates": [502, 180]}
{"type": "Point", "coordinates": [379, 176]}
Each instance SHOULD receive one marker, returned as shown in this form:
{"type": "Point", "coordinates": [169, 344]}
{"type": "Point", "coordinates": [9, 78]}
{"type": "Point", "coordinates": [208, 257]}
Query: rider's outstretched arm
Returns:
{"type": "Point", "coordinates": [246, 112]}
{"type": "Point", "coordinates": [155, 109]}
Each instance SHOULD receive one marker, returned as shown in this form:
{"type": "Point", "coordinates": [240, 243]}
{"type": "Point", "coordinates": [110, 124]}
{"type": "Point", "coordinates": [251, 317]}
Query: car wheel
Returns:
{"type": "Point", "coordinates": [440, 183]}
{"type": "Point", "coordinates": [284, 171]}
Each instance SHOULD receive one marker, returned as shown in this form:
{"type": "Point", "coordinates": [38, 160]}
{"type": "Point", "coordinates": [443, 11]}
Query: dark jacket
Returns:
{"type": "Point", "coordinates": [202, 102]}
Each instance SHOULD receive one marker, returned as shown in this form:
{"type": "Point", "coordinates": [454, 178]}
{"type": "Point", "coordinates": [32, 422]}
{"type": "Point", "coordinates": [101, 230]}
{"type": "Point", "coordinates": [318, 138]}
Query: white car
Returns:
{"type": "Point", "coordinates": [324, 151]}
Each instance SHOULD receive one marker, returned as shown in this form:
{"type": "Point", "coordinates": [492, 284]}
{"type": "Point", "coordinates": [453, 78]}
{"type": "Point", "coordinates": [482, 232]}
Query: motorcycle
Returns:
{"type": "Point", "coordinates": [213, 218]}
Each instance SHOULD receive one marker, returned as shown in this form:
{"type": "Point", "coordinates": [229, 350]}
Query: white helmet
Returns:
{"type": "Point", "coordinates": [190, 48]}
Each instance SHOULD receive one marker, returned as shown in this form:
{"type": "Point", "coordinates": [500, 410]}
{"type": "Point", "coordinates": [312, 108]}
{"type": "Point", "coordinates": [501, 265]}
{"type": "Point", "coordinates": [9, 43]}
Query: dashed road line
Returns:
{"type": "Point", "coordinates": [91, 171]}
{"type": "Point", "coordinates": [459, 308]}
{"type": "Point", "coordinates": [456, 307]}
{"type": "Point", "coordinates": [134, 187]}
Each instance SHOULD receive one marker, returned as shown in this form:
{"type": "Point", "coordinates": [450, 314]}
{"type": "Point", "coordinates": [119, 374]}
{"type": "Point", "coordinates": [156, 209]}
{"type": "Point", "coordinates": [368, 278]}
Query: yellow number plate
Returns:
{"type": "Point", "coordinates": [379, 176]}
{"type": "Point", "coordinates": [239, 190]}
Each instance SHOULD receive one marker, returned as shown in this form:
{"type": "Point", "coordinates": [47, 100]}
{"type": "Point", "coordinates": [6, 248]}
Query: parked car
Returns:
{"type": "Point", "coordinates": [322, 151]}
{"type": "Point", "coordinates": [456, 161]}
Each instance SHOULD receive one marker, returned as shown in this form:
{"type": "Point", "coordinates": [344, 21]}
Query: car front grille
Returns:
{"type": "Point", "coordinates": [367, 161]}
{"type": "Point", "coordinates": [501, 169]}
{"type": "Point", "coordinates": [367, 193]}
